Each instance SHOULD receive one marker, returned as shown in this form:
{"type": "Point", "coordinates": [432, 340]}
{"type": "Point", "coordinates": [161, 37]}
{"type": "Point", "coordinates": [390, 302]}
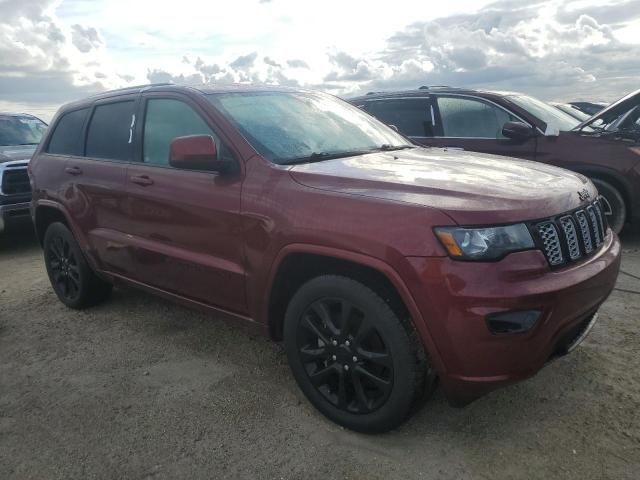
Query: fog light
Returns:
{"type": "Point", "coordinates": [512, 322]}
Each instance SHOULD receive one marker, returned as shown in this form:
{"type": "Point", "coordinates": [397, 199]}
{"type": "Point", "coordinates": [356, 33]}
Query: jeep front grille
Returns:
{"type": "Point", "coordinates": [572, 236]}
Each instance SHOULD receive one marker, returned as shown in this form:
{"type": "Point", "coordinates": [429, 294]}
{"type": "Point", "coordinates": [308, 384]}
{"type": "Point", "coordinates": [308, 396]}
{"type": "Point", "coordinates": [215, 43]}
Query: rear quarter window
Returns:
{"type": "Point", "coordinates": [67, 134]}
{"type": "Point", "coordinates": [110, 131]}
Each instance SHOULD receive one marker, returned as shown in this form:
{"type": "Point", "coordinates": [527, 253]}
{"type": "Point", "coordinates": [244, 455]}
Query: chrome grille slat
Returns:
{"type": "Point", "coordinates": [551, 241]}
{"type": "Point", "coordinates": [571, 237]}
{"type": "Point", "coordinates": [568, 238]}
{"type": "Point", "coordinates": [584, 230]}
{"type": "Point", "coordinates": [594, 225]}
{"type": "Point", "coordinates": [598, 207]}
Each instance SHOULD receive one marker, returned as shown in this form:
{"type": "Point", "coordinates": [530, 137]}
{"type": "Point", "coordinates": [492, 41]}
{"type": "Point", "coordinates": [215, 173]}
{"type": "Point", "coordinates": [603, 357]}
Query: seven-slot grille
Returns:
{"type": "Point", "coordinates": [570, 237]}
{"type": "Point", "coordinates": [14, 180]}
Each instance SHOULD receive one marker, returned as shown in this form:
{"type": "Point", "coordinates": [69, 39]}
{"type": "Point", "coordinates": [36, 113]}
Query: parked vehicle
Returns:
{"type": "Point", "coordinates": [521, 126]}
{"type": "Point", "coordinates": [571, 110]}
{"type": "Point", "coordinates": [380, 265]}
{"type": "Point", "coordinates": [19, 135]}
{"type": "Point", "coordinates": [590, 108]}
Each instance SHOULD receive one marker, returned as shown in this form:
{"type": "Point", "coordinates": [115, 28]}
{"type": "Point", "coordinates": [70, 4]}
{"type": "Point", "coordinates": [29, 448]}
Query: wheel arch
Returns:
{"type": "Point", "coordinates": [298, 263]}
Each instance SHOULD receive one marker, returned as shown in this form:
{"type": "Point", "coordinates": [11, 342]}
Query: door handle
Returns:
{"type": "Point", "coordinates": [142, 180]}
{"type": "Point", "coordinates": [73, 170]}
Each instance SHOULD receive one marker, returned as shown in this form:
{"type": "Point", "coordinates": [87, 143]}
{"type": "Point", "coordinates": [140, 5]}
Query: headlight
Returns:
{"type": "Point", "coordinates": [489, 243]}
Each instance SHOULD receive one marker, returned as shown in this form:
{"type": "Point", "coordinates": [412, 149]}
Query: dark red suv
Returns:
{"type": "Point", "coordinates": [605, 148]}
{"type": "Point", "coordinates": [381, 265]}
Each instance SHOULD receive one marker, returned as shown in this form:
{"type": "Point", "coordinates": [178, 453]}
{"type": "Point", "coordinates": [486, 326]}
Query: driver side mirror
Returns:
{"type": "Point", "coordinates": [517, 131]}
{"type": "Point", "coordinates": [195, 152]}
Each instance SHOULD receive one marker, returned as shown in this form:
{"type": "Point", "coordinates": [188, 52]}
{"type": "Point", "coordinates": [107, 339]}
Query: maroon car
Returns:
{"type": "Point", "coordinates": [380, 265]}
{"type": "Point", "coordinates": [605, 148]}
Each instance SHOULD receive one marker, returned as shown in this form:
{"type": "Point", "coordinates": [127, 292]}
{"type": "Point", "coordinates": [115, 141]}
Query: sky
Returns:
{"type": "Point", "coordinates": [55, 51]}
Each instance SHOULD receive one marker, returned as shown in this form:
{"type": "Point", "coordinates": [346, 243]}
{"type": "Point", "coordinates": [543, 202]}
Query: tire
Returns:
{"type": "Point", "coordinates": [73, 281]}
{"type": "Point", "coordinates": [614, 206]}
{"type": "Point", "coordinates": [357, 362]}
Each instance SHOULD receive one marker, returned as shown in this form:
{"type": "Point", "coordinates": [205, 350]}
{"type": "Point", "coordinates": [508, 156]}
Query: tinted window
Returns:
{"type": "Point", "coordinates": [468, 118]}
{"type": "Point", "coordinates": [411, 116]}
{"type": "Point", "coordinates": [110, 132]}
{"type": "Point", "coordinates": [67, 135]}
{"type": "Point", "coordinates": [166, 120]}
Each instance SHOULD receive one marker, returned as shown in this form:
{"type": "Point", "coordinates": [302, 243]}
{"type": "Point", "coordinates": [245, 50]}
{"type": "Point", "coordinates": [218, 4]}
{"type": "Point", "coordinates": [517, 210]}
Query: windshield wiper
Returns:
{"type": "Point", "coordinates": [321, 156]}
{"type": "Point", "coordinates": [388, 148]}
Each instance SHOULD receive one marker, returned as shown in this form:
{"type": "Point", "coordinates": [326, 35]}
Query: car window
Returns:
{"type": "Point", "coordinates": [167, 119]}
{"type": "Point", "coordinates": [110, 131]}
{"type": "Point", "coordinates": [470, 118]}
{"type": "Point", "coordinates": [20, 130]}
{"type": "Point", "coordinates": [67, 134]}
{"type": "Point", "coordinates": [411, 116]}
{"type": "Point", "coordinates": [289, 127]}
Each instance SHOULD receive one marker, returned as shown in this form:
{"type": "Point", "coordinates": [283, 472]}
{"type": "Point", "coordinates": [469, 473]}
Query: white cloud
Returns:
{"type": "Point", "coordinates": [56, 50]}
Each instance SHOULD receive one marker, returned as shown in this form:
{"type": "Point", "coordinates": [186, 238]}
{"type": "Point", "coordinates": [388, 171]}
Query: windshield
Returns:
{"type": "Point", "coordinates": [550, 115]}
{"type": "Point", "coordinates": [20, 130]}
{"type": "Point", "coordinates": [574, 112]}
{"type": "Point", "coordinates": [286, 127]}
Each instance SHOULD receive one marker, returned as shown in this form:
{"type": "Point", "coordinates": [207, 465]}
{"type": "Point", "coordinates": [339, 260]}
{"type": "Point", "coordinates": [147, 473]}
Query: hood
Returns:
{"type": "Point", "coordinates": [615, 109]}
{"type": "Point", "coordinates": [11, 153]}
{"type": "Point", "coordinates": [472, 188]}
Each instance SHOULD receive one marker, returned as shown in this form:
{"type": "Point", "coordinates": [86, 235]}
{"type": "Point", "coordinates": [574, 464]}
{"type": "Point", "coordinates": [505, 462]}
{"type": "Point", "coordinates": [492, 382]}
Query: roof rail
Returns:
{"type": "Point", "coordinates": [371, 93]}
{"type": "Point", "coordinates": [135, 87]}
{"type": "Point", "coordinates": [425, 87]}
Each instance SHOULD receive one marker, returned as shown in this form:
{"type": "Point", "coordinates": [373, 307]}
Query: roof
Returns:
{"type": "Point", "coordinates": [16, 114]}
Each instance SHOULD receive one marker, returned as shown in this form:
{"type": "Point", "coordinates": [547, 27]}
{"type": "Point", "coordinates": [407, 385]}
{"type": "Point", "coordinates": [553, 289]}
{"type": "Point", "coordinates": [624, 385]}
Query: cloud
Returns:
{"type": "Point", "coordinates": [85, 39]}
{"type": "Point", "coordinates": [297, 63]}
{"type": "Point", "coordinates": [244, 62]}
{"type": "Point", "coordinates": [272, 62]}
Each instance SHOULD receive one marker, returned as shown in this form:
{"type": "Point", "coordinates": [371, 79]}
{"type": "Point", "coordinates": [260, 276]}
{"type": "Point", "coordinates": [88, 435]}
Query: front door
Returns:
{"type": "Point", "coordinates": [186, 228]}
{"type": "Point", "coordinates": [470, 123]}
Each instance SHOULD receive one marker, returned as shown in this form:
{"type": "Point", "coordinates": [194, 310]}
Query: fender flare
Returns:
{"type": "Point", "coordinates": [380, 266]}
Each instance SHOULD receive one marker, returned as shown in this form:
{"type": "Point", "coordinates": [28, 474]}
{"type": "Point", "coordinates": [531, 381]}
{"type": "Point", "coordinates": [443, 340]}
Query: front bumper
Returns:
{"type": "Point", "coordinates": [456, 297]}
{"type": "Point", "coordinates": [14, 211]}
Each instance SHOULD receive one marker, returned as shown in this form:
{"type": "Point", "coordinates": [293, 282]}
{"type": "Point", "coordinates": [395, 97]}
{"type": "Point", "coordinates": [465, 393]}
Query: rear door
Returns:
{"type": "Point", "coordinates": [475, 124]}
{"type": "Point", "coordinates": [185, 226]}
{"type": "Point", "coordinates": [95, 188]}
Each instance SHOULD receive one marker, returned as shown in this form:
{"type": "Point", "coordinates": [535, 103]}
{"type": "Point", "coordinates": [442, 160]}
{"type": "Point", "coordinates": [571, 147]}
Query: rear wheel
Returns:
{"type": "Point", "coordinates": [75, 284]}
{"type": "Point", "coordinates": [352, 356]}
{"type": "Point", "coordinates": [613, 204]}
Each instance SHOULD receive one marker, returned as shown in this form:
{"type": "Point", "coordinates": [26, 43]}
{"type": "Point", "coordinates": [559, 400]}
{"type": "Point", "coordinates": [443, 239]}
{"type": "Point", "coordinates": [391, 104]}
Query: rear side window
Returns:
{"type": "Point", "coordinates": [67, 134]}
{"type": "Point", "coordinates": [411, 116]}
{"type": "Point", "coordinates": [469, 118]}
{"type": "Point", "coordinates": [111, 131]}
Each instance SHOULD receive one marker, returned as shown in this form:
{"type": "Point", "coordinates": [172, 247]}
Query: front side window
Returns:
{"type": "Point", "coordinates": [20, 130]}
{"type": "Point", "coordinates": [111, 131]}
{"type": "Point", "coordinates": [470, 118]}
{"type": "Point", "coordinates": [411, 116]}
{"type": "Point", "coordinates": [287, 127]}
{"type": "Point", "coordinates": [167, 119]}
{"type": "Point", "coordinates": [67, 134]}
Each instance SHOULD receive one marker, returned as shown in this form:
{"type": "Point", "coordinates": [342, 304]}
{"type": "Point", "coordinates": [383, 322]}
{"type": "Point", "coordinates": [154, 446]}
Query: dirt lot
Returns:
{"type": "Point", "coordinates": [141, 388]}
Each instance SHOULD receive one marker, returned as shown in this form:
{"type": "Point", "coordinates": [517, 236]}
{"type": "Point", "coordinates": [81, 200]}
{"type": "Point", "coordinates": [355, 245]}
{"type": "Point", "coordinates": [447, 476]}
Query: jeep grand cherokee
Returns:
{"type": "Point", "coordinates": [380, 265]}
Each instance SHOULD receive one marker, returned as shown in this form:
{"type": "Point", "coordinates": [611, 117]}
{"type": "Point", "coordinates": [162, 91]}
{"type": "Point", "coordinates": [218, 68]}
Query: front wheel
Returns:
{"type": "Point", "coordinates": [73, 281]}
{"type": "Point", "coordinates": [358, 362]}
{"type": "Point", "coordinates": [613, 204]}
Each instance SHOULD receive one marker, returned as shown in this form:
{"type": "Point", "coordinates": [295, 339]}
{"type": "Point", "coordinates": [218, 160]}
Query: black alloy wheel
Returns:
{"type": "Point", "coordinates": [358, 360]}
{"type": "Point", "coordinates": [71, 277]}
{"type": "Point", "coordinates": [345, 356]}
{"type": "Point", "coordinates": [64, 268]}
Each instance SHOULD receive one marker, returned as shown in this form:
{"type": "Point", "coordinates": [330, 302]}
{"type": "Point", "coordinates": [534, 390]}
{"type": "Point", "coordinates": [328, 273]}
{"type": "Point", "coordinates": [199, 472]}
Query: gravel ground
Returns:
{"type": "Point", "coordinates": [141, 388]}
